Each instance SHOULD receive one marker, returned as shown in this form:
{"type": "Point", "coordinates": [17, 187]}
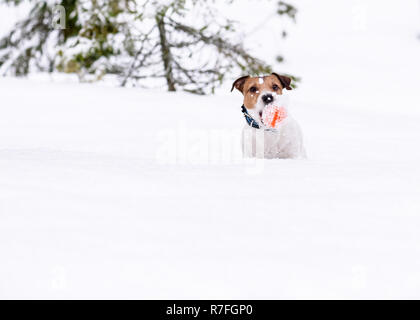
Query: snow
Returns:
{"type": "Point", "coordinates": [108, 192]}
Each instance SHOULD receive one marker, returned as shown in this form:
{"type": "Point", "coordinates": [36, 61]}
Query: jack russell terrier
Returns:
{"type": "Point", "coordinates": [259, 140]}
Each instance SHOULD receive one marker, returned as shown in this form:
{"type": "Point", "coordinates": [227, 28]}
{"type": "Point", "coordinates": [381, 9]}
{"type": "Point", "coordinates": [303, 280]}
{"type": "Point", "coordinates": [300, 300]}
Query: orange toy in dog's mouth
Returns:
{"type": "Point", "coordinates": [273, 115]}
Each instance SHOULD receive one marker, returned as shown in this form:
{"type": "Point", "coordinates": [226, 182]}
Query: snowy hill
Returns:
{"type": "Point", "coordinates": [91, 207]}
{"type": "Point", "coordinates": [130, 193]}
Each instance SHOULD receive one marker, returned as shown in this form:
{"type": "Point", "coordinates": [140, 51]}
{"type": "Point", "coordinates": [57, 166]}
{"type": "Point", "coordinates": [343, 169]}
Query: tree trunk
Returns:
{"type": "Point", "coordinates": [166, 51]}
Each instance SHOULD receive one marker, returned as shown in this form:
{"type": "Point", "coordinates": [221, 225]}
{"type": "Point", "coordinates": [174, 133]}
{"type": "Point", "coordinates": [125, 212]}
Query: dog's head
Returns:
{"type": "Point", "coordinates": [261, 91]}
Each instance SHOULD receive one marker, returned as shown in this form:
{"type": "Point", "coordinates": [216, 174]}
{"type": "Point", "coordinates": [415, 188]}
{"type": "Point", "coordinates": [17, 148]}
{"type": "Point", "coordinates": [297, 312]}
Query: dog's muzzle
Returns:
{"type": "Point", "coordinates": [267, 98]}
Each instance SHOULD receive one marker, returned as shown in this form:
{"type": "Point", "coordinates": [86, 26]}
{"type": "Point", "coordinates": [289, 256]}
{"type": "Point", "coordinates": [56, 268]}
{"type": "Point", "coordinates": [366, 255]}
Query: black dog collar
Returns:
{"type": "Point", "coordinates": [250, 120]}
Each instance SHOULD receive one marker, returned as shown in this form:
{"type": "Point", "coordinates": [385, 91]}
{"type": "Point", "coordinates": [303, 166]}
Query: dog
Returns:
{"type": "Point", "coordinates": [284, 142]}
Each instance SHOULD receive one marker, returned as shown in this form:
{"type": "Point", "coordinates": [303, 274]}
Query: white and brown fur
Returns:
{"type": "Point", "coordinates": [283, 143]}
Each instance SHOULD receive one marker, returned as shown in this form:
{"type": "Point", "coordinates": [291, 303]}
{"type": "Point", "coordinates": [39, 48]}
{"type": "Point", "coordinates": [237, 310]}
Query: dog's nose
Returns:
{"type": "Point", "coordinates": [267, 98]}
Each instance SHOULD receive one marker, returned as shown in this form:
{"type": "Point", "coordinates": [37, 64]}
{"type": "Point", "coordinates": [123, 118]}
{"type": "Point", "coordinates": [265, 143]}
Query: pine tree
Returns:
{"type": "Point", "coordinates": [135, 40]}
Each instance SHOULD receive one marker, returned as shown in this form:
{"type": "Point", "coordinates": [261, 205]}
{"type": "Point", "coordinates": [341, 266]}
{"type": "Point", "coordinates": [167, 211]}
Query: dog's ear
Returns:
{"type": "Point", "coordinates": [239, 84]}
{"type": "Point", "coordinates": [285, 81]}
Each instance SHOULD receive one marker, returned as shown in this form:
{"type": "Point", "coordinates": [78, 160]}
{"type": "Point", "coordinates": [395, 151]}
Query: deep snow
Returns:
{"type": "Point", "coordinates": [109, 193]}
{"type": "Point", "coordinates": [90, 209]}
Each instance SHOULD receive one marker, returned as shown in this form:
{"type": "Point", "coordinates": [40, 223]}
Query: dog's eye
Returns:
{"type": "Point", "coordinates": [253, 89]}
{"type": "Point", "coordinates": [275, 87]}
